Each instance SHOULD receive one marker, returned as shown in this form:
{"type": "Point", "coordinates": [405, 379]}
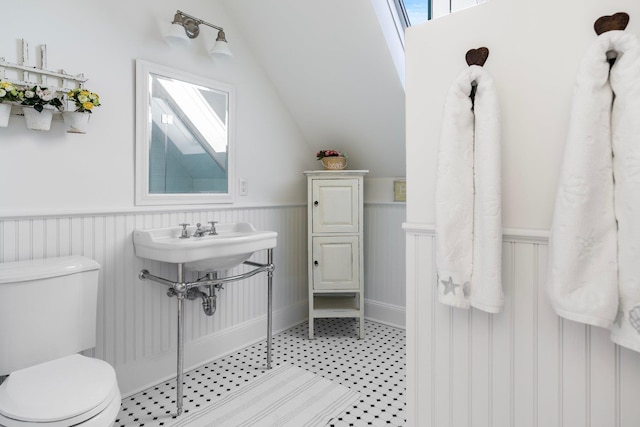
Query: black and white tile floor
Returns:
{"type": "Point", "coordinates": [374, 366]}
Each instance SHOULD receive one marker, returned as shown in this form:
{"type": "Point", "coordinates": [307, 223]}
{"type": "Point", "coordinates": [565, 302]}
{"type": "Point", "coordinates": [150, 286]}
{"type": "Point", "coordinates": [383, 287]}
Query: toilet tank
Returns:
{"type": "Point", "coordinates": [47, 310]}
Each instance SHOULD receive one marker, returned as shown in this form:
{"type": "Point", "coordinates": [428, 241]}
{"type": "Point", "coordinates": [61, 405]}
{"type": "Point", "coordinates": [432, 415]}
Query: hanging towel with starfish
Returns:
{"type": "Point", "coordinates": [468, 196]}
{"type": "Point", "coordinates": [594, 243]}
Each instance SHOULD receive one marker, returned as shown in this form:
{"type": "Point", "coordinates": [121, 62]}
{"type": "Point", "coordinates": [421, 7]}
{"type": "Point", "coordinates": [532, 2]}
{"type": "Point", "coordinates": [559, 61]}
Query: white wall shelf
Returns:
{"type": "Point", "coordinates": [23, 73]}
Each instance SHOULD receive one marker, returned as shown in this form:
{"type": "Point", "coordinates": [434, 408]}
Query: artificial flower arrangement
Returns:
{"type": "Point", "coordinates": [84, 100]}
{"type": "Point", "coordinates": [10, 92]}
{"type": "Point", "coordinates": [38, 97]}
{"type": "Point", "coordinates": [329, 153]}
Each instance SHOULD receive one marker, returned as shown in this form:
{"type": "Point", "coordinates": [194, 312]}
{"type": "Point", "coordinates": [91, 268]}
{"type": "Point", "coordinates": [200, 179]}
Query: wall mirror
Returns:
{"type": "Point", "coordinates": [184, 137]}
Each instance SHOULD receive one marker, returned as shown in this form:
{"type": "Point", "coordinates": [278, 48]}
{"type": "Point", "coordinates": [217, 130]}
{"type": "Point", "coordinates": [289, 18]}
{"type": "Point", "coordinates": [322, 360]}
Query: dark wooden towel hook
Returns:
{"type": "Point", "coordinates": [477, 56]}
{"type": "Point", "coordinates": [606, 23]}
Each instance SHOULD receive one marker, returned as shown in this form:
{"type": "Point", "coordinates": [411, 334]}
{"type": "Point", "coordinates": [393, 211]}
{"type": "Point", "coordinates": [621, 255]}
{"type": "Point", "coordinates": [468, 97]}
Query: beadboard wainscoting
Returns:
{"type": "Point", "coordinates": [384, 265]}
{"type": "Point", "coordinates": [137, 321]}
{"type": "Point", "coordinates": [522, 367]}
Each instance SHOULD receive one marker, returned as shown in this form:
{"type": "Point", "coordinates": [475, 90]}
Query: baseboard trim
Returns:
{"type": "Point", "coordinates": [387, 314]}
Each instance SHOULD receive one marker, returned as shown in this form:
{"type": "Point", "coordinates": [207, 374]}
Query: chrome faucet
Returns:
{"type": "Point", "coordinates": [185, 233]}
{"type": "Point", "coordinates": [212, 230]}
{"type": "Point", "coordinates": [199, 231]}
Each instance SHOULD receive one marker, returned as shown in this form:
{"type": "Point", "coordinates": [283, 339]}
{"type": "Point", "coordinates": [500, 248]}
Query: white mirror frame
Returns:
{"type": "Point", "coordinates": [143, 128]}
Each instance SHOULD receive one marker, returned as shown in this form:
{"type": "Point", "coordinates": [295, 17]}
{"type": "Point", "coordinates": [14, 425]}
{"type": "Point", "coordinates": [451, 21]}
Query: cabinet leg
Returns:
{"type": "Point", "coordinates": [361, 327]}
{"type": "Point", "coordinates": [269, 307]}
{"type": "Point", "coordinates": [310, 328]}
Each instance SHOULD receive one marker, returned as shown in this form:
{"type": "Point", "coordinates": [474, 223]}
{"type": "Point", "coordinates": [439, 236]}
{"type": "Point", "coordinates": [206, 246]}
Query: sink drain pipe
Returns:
{"type": "Point", "coordinates": [209, 301]}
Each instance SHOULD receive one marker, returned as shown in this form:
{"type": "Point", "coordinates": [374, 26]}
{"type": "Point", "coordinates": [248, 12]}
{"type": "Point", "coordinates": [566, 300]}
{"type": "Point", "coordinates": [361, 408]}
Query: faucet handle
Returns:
{"type": "Point", "coordinates": [185, 234]}
{"type": "Point", "coordinates": [212, 230]}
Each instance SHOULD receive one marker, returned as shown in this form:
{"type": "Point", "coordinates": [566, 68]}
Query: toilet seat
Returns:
{"type": "Point", "coordinates": [61, 392]}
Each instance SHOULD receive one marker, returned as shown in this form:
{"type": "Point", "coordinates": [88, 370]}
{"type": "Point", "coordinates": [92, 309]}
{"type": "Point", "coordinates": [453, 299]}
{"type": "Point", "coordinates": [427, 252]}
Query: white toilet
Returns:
{"type": "Point", "coordinates": [47, 315]}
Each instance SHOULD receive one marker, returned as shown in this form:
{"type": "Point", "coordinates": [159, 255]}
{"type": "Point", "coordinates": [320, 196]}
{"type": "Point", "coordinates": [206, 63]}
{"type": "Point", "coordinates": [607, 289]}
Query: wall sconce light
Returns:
{"type": "Point", "coordinates": [185, 27]}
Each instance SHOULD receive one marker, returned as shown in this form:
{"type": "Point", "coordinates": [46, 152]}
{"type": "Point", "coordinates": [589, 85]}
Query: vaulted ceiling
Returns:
{"type": "Point", "coordinates": [330, 63]}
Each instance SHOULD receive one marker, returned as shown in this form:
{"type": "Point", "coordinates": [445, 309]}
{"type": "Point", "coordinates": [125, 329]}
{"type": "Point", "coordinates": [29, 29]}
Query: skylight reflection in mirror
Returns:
{"type": "Point", "coordinates": [189, 137]}
{"type": "Point", "coordinates": [191, 101]}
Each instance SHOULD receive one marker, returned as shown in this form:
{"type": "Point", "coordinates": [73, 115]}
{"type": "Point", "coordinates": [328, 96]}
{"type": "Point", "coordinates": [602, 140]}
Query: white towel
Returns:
{"type": "Point", "coordinates": [594, 246]}
{"type": "Point", "coordinates": [468, 196]}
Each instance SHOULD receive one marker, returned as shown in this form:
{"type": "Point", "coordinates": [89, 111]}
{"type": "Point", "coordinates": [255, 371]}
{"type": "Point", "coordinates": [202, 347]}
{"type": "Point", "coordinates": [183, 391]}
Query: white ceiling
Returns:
{"type": "Point", "coordinates": [329, 61]}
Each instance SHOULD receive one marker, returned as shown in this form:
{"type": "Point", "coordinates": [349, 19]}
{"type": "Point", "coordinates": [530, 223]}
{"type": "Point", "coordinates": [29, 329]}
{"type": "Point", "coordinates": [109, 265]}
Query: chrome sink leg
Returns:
{"type": "Point", "coordinates": [180, 366]}
{"type": "Point", "coordinates": [269, 305]}
{"type": "Point", "coordinates": [181, 289]}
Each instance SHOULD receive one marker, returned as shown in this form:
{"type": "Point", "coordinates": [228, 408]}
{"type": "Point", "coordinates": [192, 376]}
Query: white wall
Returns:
{"type": "Point", "coordinates": [393, 32]}
{"type": "Point", "coordinates": [535, 50]}
{"type": "Point", "coordinates": [534, 55]}
{"type": "Point", "coordinates": [54, 171]}
{"type": "Point", "coordinates": [384, 259]}
{"type": "Point", "coordinates": [332, 67]}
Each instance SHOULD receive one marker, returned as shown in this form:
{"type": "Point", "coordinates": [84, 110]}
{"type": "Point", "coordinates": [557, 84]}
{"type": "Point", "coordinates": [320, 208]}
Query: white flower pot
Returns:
{"type": "Point", "coordinates": [5, 112]}
{"type": "Point", "coordinates": [38, 120]}
{"type": "Point", "coordinates": [76, 122]}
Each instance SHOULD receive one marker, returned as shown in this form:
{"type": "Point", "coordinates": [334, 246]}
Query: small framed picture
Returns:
{"type": "Point", "coordinates": [400, 191]}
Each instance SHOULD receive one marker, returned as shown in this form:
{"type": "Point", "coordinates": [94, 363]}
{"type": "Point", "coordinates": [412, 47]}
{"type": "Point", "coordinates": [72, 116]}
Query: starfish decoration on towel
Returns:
{"type": "Point", "coordinates": [449, 286]}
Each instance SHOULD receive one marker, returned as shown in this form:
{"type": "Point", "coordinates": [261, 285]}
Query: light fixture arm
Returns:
{"type": "Point", "coordinates": [190, 24]}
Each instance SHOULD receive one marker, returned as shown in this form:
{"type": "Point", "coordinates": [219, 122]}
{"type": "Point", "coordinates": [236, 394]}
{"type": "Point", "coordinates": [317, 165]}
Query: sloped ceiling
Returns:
{"type": "Point", "coordinates": [330, 63]}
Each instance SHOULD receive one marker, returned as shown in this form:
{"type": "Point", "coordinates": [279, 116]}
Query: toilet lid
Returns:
{"type": "Point", "coordinates": [58, 390]}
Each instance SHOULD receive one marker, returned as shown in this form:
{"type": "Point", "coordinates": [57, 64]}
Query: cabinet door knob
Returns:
{"type": "Point", "coordinates": [315, 203]}
{"type": "Point", "coordinates": [316, 263]}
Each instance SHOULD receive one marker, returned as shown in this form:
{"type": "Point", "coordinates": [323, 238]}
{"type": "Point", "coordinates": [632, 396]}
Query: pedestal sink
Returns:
{"type": "Point", "coordinates": [234, 244]}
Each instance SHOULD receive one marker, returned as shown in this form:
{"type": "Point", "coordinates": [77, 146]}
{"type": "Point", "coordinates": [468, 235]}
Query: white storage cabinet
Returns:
{"type": "Point", "coordinates": [335, 225]}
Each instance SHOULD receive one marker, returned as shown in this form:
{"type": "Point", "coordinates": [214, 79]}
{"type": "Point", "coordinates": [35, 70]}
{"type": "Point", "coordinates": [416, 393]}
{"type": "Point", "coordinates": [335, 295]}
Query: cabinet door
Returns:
{"type": "Point", "coordinates": [335, 205]}
{"type": "Point", "coordinates": [335, 263]}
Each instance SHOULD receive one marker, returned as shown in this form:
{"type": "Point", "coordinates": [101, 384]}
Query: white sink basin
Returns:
{"type": "Point", "coordinates": [234, 244]}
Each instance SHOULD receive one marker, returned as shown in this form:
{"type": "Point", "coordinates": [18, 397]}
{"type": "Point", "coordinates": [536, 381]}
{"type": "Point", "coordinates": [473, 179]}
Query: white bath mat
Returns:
{"type": "Point", "coordinates": [286, 396]}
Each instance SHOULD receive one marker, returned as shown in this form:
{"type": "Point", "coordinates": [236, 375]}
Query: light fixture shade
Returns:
{"type": "Point", "coordinates": [220, 49]}
{"type": "Point", "coordinates": [176, 36]}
